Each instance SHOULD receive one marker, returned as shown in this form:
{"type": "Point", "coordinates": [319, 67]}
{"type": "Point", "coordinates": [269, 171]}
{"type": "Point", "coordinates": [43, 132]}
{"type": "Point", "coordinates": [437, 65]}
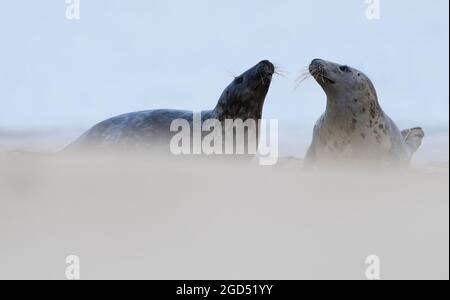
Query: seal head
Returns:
{"type": "Point", "coordinates": [344, 85]}
{"type": "Point", "coordinates": [244, 97]}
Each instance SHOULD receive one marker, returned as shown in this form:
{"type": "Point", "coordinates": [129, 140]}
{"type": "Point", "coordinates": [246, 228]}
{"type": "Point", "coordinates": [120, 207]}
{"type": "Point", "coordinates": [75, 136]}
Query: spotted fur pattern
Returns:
{"type": "Point", "coordinates": [354, 128]}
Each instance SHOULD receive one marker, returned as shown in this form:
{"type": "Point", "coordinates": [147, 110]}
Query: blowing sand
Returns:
{"type": "Point", "coordinates": [138, 218]}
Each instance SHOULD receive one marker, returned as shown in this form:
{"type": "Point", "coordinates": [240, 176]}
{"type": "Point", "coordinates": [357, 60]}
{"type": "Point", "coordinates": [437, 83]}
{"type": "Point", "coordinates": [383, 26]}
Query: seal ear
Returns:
{"type": "Point", "coordinates": [413, 138]}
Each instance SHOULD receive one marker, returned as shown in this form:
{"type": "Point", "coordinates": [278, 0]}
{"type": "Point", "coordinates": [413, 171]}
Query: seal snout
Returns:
{"type": "Point", "coordinates": [318, 69]}
{"type": "Point", "coordinates": [266, 68]}
{"type": "Point", "coordinates": [316, 65]}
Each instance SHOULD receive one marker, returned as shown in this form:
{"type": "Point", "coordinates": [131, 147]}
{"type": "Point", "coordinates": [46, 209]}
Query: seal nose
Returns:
{"type": "Point", "coordinates": [267, 67]}
{"type": "Point", "coordinates": [315, 64]}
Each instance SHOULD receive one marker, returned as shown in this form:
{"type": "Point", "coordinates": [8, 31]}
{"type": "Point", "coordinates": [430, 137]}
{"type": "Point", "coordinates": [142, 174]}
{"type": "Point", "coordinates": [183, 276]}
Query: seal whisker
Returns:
{"type": "Point", "coordinates": [322, 71]}
{"type": "Point", "coordinates": [232, 74]}
{"type": "Point", "coordinates": [280, 71]}
{"type": "Point", "coordinates": [303, 71]}
{"type": "Point", "coordinates": [302, 79]}
{"type": "Point", "coordinates": [281, 74]}
{"type": "Point", "coordinates": [261, 80]}
{"type": "Point", "coordinates": [305, 74]}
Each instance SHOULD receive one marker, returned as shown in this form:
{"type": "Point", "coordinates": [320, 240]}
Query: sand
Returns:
{"type": "Point", "coordinates": [142, 218]}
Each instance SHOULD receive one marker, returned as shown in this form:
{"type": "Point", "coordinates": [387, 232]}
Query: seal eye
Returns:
{"type": "Point", "coordinates": [344, 69]}
{"type": "Point", "coordinates": [239, 80]}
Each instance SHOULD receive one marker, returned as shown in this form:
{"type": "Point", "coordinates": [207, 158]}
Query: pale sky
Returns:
{"type": "Point", "coordinates": [131, 55]}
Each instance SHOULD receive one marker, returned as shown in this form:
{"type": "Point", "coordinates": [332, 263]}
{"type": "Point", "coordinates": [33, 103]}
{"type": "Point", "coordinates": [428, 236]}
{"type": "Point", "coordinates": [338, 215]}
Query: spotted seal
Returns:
{"type": "Point", "coordinates": [354, 128]}
{"type": "Point", "coordinates": [149, 130]}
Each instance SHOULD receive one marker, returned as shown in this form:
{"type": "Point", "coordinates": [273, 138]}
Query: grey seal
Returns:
{"type": "Point", "coordinates": [354, 127]}
{"type": "Point", "coordinates": [150, 130]}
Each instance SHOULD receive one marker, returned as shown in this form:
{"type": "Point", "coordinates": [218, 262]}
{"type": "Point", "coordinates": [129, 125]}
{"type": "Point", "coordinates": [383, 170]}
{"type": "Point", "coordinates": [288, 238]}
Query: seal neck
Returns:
{"type": "Point", "coordinates": [240, 110]}
{"type": "Point", "coordinates": [344, 110]}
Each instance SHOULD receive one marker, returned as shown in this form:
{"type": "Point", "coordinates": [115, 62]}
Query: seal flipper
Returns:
{"type": "Point", "coordinates": [413, 138]}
